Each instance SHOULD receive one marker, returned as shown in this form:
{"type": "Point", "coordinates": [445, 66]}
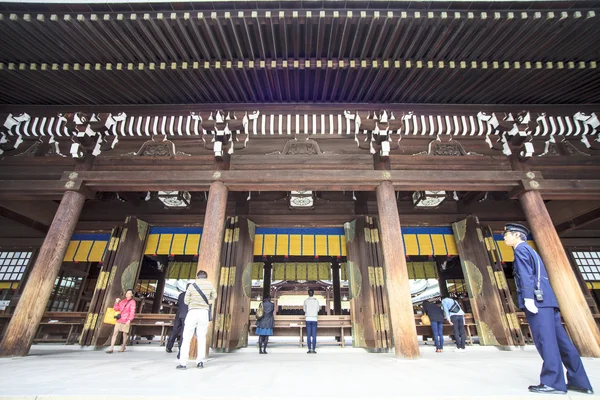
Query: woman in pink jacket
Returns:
{"type": "Point", "coordinates": [123, 323]}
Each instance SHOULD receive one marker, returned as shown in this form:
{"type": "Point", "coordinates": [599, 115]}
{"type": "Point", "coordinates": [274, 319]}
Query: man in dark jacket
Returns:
{"type": "Point", "coordinates": [537, 298]}
{"type": "Point", "coordinates": [179, 323]}
{"type": "Point", "coordinates": [436, 317]}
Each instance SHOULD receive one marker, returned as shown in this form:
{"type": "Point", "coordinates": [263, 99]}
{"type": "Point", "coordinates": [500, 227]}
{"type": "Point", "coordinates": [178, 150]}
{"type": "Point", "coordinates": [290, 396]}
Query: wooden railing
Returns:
{"type": "Point", "coordinates": [146, 326]}
{"type": "Point", "coordinates": [55, 327]}
{"type": "Point", "coordinates": [65, 327]}
{"type": "Point", "coordinates": [295, 325]}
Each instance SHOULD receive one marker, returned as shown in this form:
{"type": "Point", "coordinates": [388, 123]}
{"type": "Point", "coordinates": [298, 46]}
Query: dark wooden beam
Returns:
{"type": "Point", "coordinates": [19, 243]}
{"type": "Point", "coordinates": [17, 189]}
{"type": "Point", "coordinates": [580, 221]}
{"type": "Point", "coordinates": [579, 242]}
{"type": "Point", "coordinates": [6, 213]}
{"type": "Point", "coordinates": [131, 197]}
{"type": "Point", "coordinates": [559, 189]}
{"type": "Point", "coordinates": [472, 197]}
{"type": "Point", "coordinates": [322, 180]}
{"type": "Point", "coordinates": [563, 211]}
{"type": "Point", "coordinates": [39, 211]}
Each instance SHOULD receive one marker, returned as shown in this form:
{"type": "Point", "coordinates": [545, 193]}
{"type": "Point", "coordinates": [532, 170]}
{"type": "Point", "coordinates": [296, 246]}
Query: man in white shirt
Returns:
{"type": "Point", "coordinates": [311, 312]}
{"type": "Point", "coordinates": [199, 297]}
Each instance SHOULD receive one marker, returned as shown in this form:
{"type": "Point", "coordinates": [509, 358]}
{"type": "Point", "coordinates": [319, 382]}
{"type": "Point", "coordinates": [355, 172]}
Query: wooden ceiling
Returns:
{"type": "Point", "coordinates": [353, 52]}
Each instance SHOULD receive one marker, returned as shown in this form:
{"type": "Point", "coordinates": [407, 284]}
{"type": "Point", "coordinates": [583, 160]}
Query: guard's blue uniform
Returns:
{"type": "Point", "coordinates": [549, 335]}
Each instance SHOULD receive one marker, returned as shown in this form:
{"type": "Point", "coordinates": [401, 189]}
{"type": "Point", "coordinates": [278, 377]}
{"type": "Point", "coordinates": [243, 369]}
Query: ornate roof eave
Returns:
{"type": "Point", "coordinates": [265, 123]}
{"type": "Point", "coordinates": [225, 131]}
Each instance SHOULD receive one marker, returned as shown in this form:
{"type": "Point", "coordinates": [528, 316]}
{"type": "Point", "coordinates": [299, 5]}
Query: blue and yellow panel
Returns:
{"type": "Point", "coordinates": [506, 252]}
{"type": "Point", "coordinates": [438, 241]}
{"type": "Point", "coordinates": [300, 242]}
{"type": "Point", "coordinates": [175, 241]}
{"type": "Point", "coordinates": [593, 285]}
{"type": "Point", "coordinates": [86, 247]}
{"type": "Point", "coordinates": [332, 242]}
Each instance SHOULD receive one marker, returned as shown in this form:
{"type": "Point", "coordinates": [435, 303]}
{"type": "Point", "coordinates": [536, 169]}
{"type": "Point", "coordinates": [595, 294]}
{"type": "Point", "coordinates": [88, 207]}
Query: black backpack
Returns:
{"type": "Point", "coordinates": [455, 308]}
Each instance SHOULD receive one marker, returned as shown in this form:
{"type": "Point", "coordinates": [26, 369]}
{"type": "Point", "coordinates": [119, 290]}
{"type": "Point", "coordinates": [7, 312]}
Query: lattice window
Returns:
{"type": "Point", "coordinates": [456, 287]}
{"type": "Point", "coordinates": [65, 293]}
{"type": "Point", "coordinates": [145, 286]}
{"type": "Point", "coordinates": [588, 263]}
{"type": "Point", "coordinates": [13, 265]}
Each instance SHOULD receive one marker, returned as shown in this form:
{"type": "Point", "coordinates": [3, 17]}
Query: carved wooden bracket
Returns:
{"type": "Point", "coordinates": [375, 131]}
{"type": "Point", "coordinates": [159, 146]}
{"type": "Point", "coordinates": [296, 147]}
{"type": "Point", "coordinates": [445, 146]}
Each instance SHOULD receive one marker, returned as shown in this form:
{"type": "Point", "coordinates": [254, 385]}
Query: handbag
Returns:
{"type": "Point", "coordinates": [206, 300]}
{"type": "Point", "coordinates": [260, 311]}
{"type": "Point", "coordinates": [455, 308]}
{"type": "Point", "coordinates": [110, 316]}
{"type": "Point", "coordinates": [425, 320]}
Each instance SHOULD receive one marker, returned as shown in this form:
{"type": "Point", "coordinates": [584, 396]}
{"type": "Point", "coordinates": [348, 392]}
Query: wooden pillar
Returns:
{"type": "Point", "coordinates": [267, 279]}
{"type": "Point", "coordinates": [212, 232]}
{"type": "Point", "coordinates": [575, 311]}
{"type": "Point", "coordinates": [396, 274]}
{"type": "Point", "coordinates": [24, 324]}
{"type": "Point", "coordinates": [209, 258]}
{"type": "Point", "coordinates": [337, 290]}
{"type": "Point", "coordinates": [160, 291]}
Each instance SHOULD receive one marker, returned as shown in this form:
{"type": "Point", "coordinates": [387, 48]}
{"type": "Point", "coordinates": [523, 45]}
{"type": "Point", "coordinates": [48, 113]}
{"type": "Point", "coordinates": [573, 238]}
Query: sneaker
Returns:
{"type": "Point", "coordinates": [180, 367]}
{"type": "Point", "coordinates": [169, 350]}
{"type": "Point", "coordinates": [314, 351]}
{"type": "Point", "coordinates": [460, 350]}
{"type": "Point", "coordinates": [200, 365]}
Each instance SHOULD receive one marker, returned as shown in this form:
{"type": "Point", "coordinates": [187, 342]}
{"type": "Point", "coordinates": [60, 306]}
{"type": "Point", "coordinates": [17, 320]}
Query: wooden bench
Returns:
{"type": "Point", "coordinates": [426, 330]}
{"type": "Point", "coordinates": [292, 325]}
{"type": "Point", "coordinates": [55, 327]}
{"type": "Point", "coordinates": [151, 325]}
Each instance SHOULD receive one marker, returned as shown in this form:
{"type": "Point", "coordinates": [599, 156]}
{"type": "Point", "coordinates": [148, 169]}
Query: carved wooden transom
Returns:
{"type": "Point", "coordinates": [305, 147]}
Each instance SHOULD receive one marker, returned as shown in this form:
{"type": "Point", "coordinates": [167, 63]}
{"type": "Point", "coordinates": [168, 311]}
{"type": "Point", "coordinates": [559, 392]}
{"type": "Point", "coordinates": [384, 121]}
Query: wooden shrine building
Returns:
{"type": "Point", "coordinates": [357, 147]}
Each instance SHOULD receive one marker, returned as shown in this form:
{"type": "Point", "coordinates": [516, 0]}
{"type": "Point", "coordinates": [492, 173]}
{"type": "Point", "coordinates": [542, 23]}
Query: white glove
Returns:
{"type": "Point", "coordinates": [530, 306]}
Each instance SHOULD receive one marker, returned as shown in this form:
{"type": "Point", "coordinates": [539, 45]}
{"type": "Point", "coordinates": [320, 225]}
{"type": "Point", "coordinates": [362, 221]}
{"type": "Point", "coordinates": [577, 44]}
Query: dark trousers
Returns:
{"type": "Point", "coordinates": [555, 348]}
{"type": "Point", "coordinates": [438, 333]}
{"type": "Point", "coordinates": [176, 332]}
{"type": "Point", "coordinates": [458, 325]}
{"type": "Point", "coordinates": [311, 334]}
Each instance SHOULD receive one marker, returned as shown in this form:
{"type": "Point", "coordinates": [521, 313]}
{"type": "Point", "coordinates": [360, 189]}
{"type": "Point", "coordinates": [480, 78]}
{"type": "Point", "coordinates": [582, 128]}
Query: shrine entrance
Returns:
{"type": "Point", "coordinates": [290, 261]}
{"type": "Point", "coordinates": [287, 281]}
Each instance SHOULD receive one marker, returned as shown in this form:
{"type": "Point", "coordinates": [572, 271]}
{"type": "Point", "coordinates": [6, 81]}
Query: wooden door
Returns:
{"type": "Point", "coordinates": [120, 269]}
{"type": "Point", "coordinates": [368, 302]}
{"type": "Point", "coordinates": [235, 284]}
{"type": "Point", "coordinates": [490, 318]}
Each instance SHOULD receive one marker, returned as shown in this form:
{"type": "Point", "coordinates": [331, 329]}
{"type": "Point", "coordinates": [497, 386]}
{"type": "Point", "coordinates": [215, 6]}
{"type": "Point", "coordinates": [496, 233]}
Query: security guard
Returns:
{"type": "Point", "coordinates": [541, 308]}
